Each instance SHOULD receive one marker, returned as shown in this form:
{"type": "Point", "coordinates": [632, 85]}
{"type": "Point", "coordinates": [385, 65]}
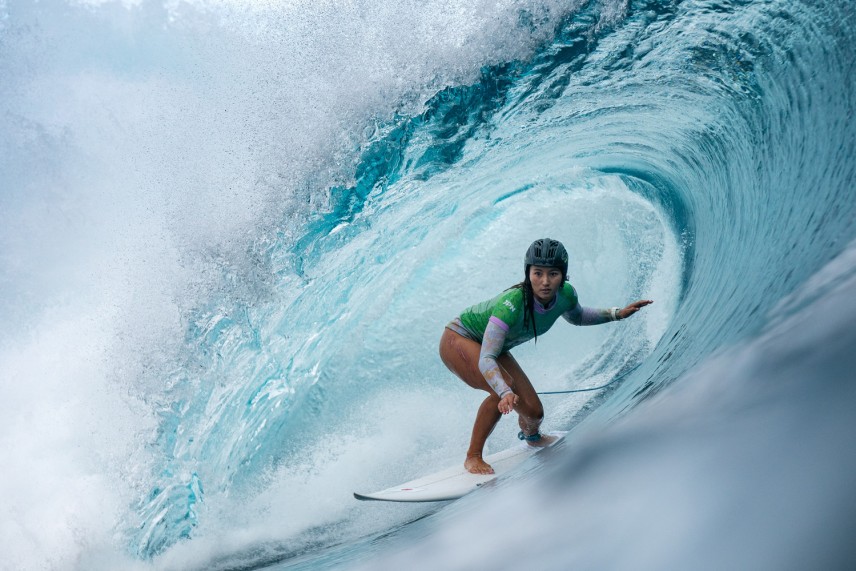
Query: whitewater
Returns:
{"type": "Point", "coordinates": [231, 234]}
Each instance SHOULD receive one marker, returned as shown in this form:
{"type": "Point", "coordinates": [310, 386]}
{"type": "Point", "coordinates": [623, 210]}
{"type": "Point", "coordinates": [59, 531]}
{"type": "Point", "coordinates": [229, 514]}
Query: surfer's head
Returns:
{"type": "Point", "coordinates": [548, 253]}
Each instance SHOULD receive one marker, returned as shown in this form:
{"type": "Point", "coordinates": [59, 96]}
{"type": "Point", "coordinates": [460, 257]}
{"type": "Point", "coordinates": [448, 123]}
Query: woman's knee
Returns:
{"type": "Point", "coordinates": [531, 410]}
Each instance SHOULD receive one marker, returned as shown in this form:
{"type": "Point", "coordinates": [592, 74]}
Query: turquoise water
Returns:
{"type": "Point", "coordinates": [232, 234]}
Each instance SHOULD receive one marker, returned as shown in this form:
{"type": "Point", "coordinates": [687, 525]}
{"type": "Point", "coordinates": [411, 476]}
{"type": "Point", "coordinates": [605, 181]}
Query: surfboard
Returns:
{"type": "Point", "coordinates": [455, 482]}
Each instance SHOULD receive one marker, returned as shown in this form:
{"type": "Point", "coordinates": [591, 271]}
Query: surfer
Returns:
{"type": "Point", "coordinates": [475, 345]}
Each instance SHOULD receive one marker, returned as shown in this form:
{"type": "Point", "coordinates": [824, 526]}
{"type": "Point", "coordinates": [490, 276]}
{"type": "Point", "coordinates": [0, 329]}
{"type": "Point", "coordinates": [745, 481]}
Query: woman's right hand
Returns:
{"type": "Point", "coordinates": [506, 403]}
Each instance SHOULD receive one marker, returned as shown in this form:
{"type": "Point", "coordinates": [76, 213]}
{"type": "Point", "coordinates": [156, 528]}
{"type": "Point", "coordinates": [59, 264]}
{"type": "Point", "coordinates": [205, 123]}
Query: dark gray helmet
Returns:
{"type": "Point", "coordinates": [547, 252]}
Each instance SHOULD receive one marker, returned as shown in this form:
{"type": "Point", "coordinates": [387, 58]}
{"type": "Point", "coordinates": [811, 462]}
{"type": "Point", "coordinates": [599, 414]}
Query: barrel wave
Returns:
{"type": "Point", "coordinates": [233, 233]}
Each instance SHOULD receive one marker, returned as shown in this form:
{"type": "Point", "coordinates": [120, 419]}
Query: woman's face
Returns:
{"type": "Point", "coordinates": [546, 281]}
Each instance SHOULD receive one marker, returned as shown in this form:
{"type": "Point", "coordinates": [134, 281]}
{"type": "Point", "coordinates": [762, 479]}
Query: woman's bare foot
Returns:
{"type": "Point", "coordinates": [545, 440]}
{"type": "Point", "coordinates": [475, 465]}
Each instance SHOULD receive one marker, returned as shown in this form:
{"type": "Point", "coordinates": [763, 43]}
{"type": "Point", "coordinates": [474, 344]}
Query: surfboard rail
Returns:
{"type": "Point", "coordinates": [455, 482]}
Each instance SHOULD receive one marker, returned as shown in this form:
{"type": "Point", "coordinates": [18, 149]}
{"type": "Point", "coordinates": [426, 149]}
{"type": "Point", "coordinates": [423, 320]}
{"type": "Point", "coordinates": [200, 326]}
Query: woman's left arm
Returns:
{"type": "Point", "coordinates": [580, 315]}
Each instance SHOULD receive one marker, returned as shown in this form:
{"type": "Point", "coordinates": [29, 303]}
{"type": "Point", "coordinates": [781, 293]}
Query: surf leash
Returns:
{"type": "Point", "coordinates": [613, 381]}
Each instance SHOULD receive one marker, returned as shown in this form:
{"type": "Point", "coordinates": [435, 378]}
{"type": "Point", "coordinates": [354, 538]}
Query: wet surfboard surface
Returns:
{"type": "Point", "coordinates": [455, 482]}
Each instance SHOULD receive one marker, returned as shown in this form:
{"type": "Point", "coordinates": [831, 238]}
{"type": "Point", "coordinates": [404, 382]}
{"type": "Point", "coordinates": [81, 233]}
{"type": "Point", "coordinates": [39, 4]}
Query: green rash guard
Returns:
{"type": "Point", "coordinates": [506, 310]}
{"type": "Point", "coordinates": [497, 325]}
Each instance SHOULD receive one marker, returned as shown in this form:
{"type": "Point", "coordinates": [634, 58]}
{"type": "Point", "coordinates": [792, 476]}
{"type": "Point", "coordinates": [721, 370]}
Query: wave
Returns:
{"type": "Point", "coordinates": [232, 235]}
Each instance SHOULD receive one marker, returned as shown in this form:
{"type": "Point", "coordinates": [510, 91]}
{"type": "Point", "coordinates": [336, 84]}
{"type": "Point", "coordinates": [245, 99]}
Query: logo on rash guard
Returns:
{"type": "Point", "coordinates": [510, 305]}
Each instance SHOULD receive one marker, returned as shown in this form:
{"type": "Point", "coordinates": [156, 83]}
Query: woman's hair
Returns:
{"type": "Point", "coordinates": [528, 302]}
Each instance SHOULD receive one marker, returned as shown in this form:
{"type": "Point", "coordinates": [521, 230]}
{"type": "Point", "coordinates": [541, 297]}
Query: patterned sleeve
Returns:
{"type": "Point", "coordinates": [579, 315]}
{"type": "Point", "coordinates": [491, 348]}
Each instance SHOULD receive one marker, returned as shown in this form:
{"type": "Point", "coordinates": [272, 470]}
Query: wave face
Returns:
{"type": "Point", "coordinates": [232, 234]}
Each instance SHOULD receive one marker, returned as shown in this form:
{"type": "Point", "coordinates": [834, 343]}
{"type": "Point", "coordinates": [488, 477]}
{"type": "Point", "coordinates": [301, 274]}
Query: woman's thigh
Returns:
{"type": "Point", "coordinates": [461, 356]}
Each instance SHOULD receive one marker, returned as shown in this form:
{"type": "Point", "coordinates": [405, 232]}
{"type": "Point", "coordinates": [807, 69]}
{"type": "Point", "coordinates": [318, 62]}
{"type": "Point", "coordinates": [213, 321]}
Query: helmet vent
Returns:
{"type": "Point", "coordinates": [547, 252]}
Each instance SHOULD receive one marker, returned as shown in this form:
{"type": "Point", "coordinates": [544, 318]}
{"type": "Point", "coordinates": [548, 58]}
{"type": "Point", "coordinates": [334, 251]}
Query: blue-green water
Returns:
{"type": "Point", "coordinates": [232, 234]}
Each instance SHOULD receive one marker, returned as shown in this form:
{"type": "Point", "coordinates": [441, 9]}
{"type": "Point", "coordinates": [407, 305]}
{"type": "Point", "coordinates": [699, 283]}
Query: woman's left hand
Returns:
{"type": "Point", "coordinates": [633, 308]}
{"type": "Point", "coordinates": [507, 403]}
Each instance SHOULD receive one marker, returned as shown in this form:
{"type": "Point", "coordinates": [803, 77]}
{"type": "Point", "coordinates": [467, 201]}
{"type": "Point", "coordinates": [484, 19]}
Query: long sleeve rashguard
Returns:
{"type": "Point", "coordinates": [497, 324]}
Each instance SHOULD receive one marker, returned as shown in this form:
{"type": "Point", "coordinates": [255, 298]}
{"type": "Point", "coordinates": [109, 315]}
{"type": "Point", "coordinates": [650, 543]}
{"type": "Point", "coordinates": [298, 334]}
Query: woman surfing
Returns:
{"type": "Point", "coordinates": [475, 345]}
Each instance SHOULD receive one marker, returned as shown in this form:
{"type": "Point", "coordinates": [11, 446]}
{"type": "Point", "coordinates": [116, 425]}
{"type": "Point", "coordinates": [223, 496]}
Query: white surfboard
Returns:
{"type": "Point", "coordinates": [455, 482]}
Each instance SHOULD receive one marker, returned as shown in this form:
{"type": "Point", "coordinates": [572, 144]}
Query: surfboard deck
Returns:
{"type": "Point", "coordinates": [455, 482]}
